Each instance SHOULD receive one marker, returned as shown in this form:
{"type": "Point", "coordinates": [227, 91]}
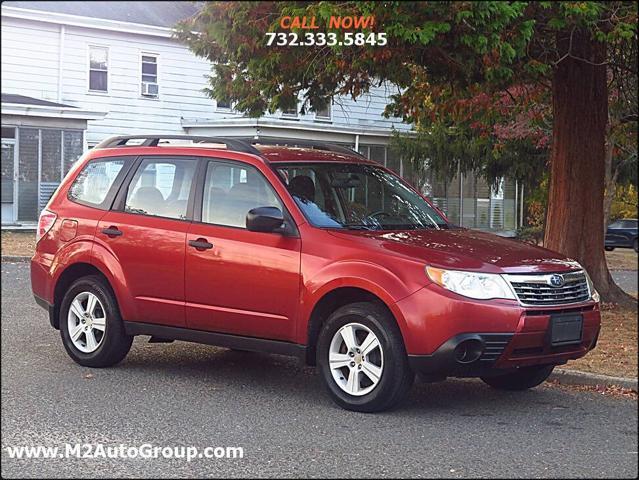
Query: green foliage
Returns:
{"type": "Point", "coordinates": [625, 202]}
{"type": "Point", "coordinates": [458, 44]}
{"type": "Point", "coordinates": [450, 60]}
{"type": "Point", "coordinates": [534, 235]}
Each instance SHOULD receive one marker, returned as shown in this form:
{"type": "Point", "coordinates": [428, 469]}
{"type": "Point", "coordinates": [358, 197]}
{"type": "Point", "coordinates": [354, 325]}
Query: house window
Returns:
{"type": "Point", "coordinates": [98, 69]}
{"type": "Point", "coordinates": [224, 104]}
{"type": "Point", "coordinates": [290, 112]}
{"type": "Point", "coordinates": [150, 87]}
{"type": "Point", "coordinates": [324, 113]}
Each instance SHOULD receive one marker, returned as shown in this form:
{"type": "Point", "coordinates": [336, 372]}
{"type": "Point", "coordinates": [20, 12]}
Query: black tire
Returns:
{"type": "Point", "coordinates": [609, 249]}
{"type": "Point", "coordinates": [115, 343]}
{"type": "Point", "coordinates": [522, 379]}
{"type": "Point", "coordinates": [396, 378]}
{"type": "Point", "coordinates": [635, 245]}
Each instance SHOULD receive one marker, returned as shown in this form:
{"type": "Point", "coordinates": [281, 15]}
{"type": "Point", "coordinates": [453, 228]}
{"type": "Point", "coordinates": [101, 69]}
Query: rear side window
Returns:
{"type": "Point", "coordinates": [94, 185]}
{"type": "Point", "coordinates": [161, 188]}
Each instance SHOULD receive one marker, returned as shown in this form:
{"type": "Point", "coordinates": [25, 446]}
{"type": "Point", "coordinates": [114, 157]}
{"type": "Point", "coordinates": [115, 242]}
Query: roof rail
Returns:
{"type": "Point", "coordinates": [235, 144]}
{"type": "Point", "coordinates": [243, 144]}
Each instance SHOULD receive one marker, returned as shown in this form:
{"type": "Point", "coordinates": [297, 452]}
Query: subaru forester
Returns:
{"type": "Point", "coordinates": [311, 251]}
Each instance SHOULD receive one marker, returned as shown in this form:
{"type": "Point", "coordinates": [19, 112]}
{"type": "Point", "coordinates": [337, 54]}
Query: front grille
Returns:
{"type": "Point", "coordinates": [538, 289]}
{"type": "Point", "coordinates": [494, 345]}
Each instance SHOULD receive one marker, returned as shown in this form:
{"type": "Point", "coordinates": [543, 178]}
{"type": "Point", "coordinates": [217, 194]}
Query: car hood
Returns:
{"type": "Point", "coordinates": [464, 249]}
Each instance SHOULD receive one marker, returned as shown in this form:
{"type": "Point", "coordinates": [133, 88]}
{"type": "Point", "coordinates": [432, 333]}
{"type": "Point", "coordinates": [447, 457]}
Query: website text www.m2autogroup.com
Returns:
{"type": "Point", "coordinates": [121, 451]}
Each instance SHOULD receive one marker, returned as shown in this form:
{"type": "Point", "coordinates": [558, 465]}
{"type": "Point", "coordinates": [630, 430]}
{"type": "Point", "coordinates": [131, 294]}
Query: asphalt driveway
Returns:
{"type": "Point", "coordinates": [276, 410]}
{"type": "Point", "coordinates": [626, 279]}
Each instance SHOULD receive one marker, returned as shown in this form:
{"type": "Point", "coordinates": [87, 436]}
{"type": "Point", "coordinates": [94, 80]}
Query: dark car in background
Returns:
{"type": "Point", "coordinates": [622, 233]}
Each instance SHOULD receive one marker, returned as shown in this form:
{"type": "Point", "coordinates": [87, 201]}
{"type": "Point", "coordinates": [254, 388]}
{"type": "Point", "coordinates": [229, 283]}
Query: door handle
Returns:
{"type": "Point", "coordinates": [112, 231]}
{"type": "Point", "coordinates": [200, 244]}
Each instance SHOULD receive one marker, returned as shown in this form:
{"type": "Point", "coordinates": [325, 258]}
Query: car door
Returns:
{"type": "Point", "coordinates": [238, 281]}
{"type": "Point", "coordinates": [146, 234]}
{"type": "Point", "coordinates": [629, 229]}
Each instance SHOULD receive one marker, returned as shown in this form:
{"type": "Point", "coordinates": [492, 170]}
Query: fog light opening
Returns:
{"type": "Point", "coordinates": [468, 351]}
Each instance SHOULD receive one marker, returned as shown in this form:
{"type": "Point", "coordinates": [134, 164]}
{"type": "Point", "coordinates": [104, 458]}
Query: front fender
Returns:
{"type": "Point", "coordinates": [371, 277]}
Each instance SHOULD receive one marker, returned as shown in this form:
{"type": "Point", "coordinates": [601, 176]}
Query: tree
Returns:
{"type": "Point", "coordinates": [621, 134]}
{"type": "Point", "coordinates": [514, 143]}
{"type": "Point", "coordinates": [442, 56]}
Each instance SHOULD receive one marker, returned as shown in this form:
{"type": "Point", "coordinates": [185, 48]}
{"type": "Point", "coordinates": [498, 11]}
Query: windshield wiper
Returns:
{"type": "Point", "coordinates": [359, 227]}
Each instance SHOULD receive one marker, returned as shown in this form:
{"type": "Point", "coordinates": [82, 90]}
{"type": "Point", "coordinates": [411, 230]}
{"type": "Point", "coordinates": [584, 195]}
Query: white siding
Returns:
{"type": "Point", "coordinates": [180, 76]}
{"type": "Point", "coordinates": [30, 56]}
{"type": "Point", "coordinates": [30, 59]}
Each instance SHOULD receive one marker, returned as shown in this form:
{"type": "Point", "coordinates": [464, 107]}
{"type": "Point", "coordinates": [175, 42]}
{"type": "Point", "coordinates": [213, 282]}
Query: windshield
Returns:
{"type": "Point", "coordinates": [354, 196]}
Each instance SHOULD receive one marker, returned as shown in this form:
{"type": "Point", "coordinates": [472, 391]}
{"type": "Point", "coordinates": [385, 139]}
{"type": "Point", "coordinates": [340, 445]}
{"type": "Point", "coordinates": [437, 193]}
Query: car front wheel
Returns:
{"type": "Point", "coordinates": [609, 249]}
{"type": "Point", "coordinates": [362, 358]}
{"type": "Point", "coordinates": [521, 379]}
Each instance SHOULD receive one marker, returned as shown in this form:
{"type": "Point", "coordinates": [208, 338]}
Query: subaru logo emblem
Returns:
{"type": "Point", "coordinates": [556, 281]}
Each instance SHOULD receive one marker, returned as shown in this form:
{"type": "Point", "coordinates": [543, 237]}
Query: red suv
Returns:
{"type": "Point", "coordinates": [314, 252]}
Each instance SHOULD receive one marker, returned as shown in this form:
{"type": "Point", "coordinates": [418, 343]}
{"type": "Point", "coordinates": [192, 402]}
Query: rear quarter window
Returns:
{"type": "Point", "coordinates": [97, 182]}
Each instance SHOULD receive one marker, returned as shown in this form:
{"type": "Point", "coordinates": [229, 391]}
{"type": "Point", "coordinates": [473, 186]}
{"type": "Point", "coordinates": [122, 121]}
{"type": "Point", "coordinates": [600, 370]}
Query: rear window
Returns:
{"type": "Point", "coordinates": [623, 224]}
{"type": "Point", "coordinates": [94, 184]}
{"type": "Point", "coordinates": [161, 188]}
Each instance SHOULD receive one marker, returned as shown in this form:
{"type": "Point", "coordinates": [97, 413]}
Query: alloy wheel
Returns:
{"type": "Point", "coordinates": [356, 359]}
{"type": "Point", "coordinates": [86, 322]}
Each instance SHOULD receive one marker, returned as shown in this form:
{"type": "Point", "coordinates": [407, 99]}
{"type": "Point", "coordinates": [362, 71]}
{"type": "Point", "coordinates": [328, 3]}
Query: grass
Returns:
{"type": "Point", "coordinates": [622, 259]}
{"type": "Point", "coordinates": [18, 243]}
{"type": "Point", "coordinates": [616, 352]}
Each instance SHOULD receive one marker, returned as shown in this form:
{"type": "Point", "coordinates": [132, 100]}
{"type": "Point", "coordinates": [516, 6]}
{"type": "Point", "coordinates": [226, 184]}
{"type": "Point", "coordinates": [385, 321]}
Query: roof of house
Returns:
{"type": "Point", "coordinates": [161, 14]}
{"type": "Point", "coordinates": [21, 99]}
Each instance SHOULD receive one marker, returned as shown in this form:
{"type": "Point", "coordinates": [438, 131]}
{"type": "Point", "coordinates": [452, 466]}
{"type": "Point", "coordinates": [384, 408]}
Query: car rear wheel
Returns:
{"type": "Point", "coordinates": [609, 249]}
{"type": "Point", "coordinates": [521, 379]}
{"type": "Point", "coordinates": [635, 245]}
{"type": "Point", "coordinates": [362, 358]}
{"type": "Point", "coordinates": [90, 324]}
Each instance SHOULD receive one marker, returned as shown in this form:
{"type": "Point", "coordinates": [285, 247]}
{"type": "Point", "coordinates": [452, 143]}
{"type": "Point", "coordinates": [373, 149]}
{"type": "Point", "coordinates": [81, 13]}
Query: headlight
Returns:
{"type": "Point", "coordinates": [482, 286]}
{"type": "Point", "coordinates": [594, 294]}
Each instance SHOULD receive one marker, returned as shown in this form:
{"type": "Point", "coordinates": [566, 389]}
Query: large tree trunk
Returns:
{"type": "Point", "coordinates": [575, 202]}
{"type": "Point", "coordinates": [611, 176]}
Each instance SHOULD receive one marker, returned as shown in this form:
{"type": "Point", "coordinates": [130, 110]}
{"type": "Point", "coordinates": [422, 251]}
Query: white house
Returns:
{"type": "Point", "coordinates": [74, 73]}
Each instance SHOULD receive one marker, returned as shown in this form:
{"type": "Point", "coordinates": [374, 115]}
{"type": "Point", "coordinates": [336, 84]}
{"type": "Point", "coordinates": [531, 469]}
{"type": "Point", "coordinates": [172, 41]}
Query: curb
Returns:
{"type": "Point", "coordinates": [15, 258]}
{"type": "Point", "coordinates": [575, 377]}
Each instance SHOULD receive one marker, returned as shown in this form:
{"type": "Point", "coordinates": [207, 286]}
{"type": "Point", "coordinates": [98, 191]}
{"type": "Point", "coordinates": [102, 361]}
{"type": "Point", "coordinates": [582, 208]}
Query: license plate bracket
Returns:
{"type": "Point", "coordinates": [566, 329]}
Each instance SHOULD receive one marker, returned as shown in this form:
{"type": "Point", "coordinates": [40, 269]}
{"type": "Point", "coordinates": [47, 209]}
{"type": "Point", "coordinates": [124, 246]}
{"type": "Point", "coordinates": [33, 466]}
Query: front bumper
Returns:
{"type": "Point", "coordinates": [508, 335]}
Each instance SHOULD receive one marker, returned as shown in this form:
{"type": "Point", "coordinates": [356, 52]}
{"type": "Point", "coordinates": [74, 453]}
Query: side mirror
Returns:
{"type": "Point", "coordinates": [264, 219]}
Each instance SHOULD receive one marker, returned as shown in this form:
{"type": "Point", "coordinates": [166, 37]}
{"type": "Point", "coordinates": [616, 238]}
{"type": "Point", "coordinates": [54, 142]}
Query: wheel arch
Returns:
{"type": "Point", "coordinates": [335, 298]}
{"type": "Point", "coordinates": [102, 263]}
{"type": "Point", "coordinates": [69, 275]}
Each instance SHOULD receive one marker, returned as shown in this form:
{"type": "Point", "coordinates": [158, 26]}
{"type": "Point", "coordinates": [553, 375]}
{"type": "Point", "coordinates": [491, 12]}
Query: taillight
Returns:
{"type": "Point", "coordinates": [46, 221]}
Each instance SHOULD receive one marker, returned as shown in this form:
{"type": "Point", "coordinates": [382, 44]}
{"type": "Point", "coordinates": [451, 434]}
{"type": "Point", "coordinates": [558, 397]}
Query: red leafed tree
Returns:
{"type": "Point", "coordinates": [445, 57]}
